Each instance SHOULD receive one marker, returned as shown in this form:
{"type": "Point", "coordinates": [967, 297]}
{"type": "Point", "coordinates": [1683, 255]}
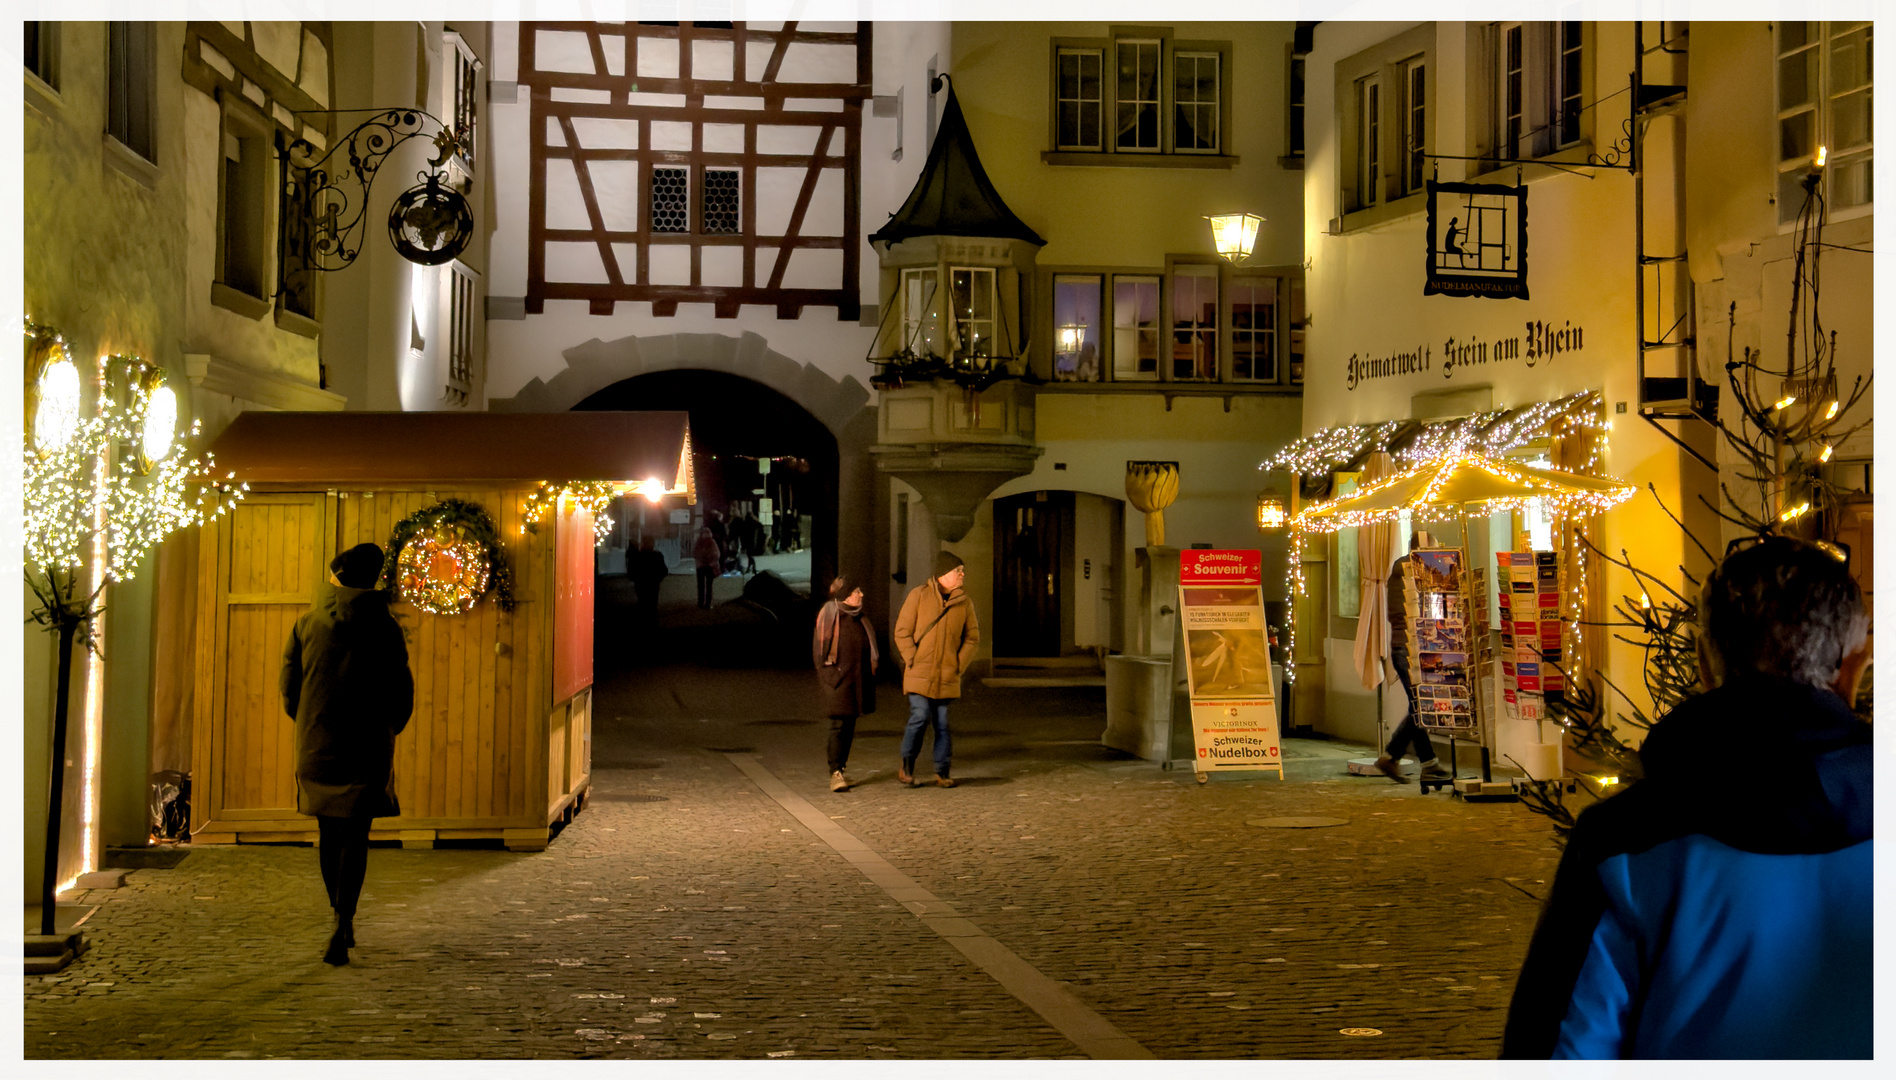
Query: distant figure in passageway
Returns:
{"type": "Point", "coordinates": [844, 651]}
{"type": "Point", "coordinates": [346, 683]}
{"type": "Point", "coordinates": [707, 555]}
{"type": "Point", "coordinates": [750, 542]}
{"type": "Point", "coordinates": [1722, 905]}
{"type": "Point", "coordinates": [721, 532]}
{"type": "Point", "coordinates": [648, 568]}
{"type": "Point", "coordinates": [1408, 733]}
{"type": "Point", "coordinates": [936, 635]}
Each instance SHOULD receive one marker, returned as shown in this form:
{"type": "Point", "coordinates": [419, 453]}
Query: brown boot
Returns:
{"type": "Point", "coordinates": [1391, 768]}
{"type": "Point", "coordinates": [943, 781]}
{"type": "Point", "coordinates": [905, 772]}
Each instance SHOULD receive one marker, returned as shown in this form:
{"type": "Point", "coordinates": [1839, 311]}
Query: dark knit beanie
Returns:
{"type": "Point", "coordinates": [946, 561]}
{"type": "Point", "coordinates": [358, 567]}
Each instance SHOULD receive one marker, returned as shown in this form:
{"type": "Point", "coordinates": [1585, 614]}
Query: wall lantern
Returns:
{"type": "Point", "coordinates": [54, 396]}
{"type": "Point", "coordinates": [159, 432]}
{"type": "Point", "coordinates": [1270, 513]}
{"type": "Point", "coordinates": [1233, 234]}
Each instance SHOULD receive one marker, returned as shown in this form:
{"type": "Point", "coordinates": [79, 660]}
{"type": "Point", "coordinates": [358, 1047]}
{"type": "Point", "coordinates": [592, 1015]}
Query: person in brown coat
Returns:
{"type": "Point", "coordinates": [936, 634]}
{"type": "Point", "coordinates": [844, 651]}
{"type": "Point", "coordinates": [346, 683]}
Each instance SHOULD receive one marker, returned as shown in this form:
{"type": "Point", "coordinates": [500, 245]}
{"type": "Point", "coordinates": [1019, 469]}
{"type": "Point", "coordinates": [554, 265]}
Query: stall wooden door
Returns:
{"type": "Point", "coordinates": [271, 552]}
{"type": "Point", "coordinates": [1028, 532]}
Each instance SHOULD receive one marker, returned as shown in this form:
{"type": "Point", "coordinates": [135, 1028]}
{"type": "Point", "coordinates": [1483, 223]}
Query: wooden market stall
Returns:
{"type": "Point", "coordinates": [500, 743]}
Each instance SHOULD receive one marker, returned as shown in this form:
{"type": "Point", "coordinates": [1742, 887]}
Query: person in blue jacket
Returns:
{"type": "Point", "coordinates": [1721, 906]}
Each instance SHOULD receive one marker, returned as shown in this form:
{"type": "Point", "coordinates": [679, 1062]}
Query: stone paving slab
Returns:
{"type": "Point", "coordinates": [684, 914]}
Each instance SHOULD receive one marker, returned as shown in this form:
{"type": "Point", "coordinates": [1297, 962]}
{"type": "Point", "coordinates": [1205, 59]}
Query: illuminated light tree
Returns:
{"type": "Point", "coordinates": [104, 480]}
{"type": "Point", "coordinates": [1780, 423]}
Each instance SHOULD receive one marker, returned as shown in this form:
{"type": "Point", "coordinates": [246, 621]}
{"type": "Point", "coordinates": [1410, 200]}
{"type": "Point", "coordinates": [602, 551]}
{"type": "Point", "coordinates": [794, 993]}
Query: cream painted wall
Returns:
{"type": "Point", "coordinates": [104, 252]}
{"type": "Point", "coordinates": [1129, 216]}
{"type": "Point", "coordinates": [1365, 300]}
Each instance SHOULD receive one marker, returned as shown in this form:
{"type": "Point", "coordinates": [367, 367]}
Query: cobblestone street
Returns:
{"type": "Point", "coordinates": [689, 912]}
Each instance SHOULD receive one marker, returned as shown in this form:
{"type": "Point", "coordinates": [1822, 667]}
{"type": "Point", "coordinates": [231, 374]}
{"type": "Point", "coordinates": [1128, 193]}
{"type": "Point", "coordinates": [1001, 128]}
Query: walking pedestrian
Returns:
{"type": "Point", "coordinates": [346, 683]}
{"type": "Point", "coordinates": [720, 532]}
{"type": "Point", "coordinates": [845, 654]}
{"type": "Point", "coordinates": [936, 635]}
{"type": "Point", "coordinates": [648, 568]}
{"type": "Point", "coordinates": [1722, 906]}
{"type": "Point", "coordinates": [707, 555]}
{"type": "Point", "coordinates": [1408, 734]}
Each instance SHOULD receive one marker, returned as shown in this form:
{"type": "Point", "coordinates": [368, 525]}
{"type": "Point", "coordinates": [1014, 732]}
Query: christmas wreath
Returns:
{"type": "Point", "coordinates": [445, 557]}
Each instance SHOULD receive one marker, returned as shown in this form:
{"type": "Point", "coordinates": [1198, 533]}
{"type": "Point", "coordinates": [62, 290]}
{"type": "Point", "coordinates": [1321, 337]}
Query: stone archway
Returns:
{"type": "Point", "coordinates": [845, 407]}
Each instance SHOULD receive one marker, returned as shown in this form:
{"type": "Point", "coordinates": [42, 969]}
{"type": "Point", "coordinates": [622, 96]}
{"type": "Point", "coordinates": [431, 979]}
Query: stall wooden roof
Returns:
{"type": "Point", "coordinates": [329, 448]}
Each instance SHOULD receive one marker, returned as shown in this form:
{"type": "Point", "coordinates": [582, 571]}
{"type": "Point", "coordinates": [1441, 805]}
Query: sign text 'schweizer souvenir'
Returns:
{"type": "Point", "coordinates": [1477, 240]}
{"type": "Point", "coordinates": [1228, 661]}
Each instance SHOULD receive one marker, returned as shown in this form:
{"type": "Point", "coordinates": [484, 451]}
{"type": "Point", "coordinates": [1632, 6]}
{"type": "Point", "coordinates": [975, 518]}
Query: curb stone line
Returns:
{"type": "Point", "coordinates": [1092, 1033]}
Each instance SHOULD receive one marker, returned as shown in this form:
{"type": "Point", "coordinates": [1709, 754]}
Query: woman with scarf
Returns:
{"type": "Point", "coordinates": [845, 655]}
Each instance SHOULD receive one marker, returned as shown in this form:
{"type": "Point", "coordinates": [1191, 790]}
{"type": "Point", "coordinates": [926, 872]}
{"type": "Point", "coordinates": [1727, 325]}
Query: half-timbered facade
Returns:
{"type": "Point", "coordinates": [695, 163]}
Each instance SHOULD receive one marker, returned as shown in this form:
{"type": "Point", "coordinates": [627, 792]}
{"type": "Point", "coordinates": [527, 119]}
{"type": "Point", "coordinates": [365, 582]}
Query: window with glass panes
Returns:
{"type": "Point", "coordinates": [1513, 96]}
{"type": "Point", "coordinates": [1076, 327]}
{"type": "Point", "coordinates": [1079, 99]}
{"type": "Point", "coordinates": [971, 295]}
{"type": "Point", "coordinates": [1567, 78]}
{"type": "Point", "coordinates": [1254, 328]}
{"type": "Point", "coordinates": [1415, 127]}
{"type": "Point", "coordinates": [1195, 322]}
{"type": "Point", "coordinates": [921, 318]}
{"type": "Point", "coordinates": [1369, 141]}
{"type": "Point", "coordinates": [42, 51]}
{"type": "Point", "coordinates": [1824, 100]}
{"type": "Point", "coordinates": [131, 85]}
{"type": "Point", "coordinates": [1136, 125]}
{"type": "Point", "coordinates": [1195, 102]}
{"type": "Point", "coordinates": [1135, 326]}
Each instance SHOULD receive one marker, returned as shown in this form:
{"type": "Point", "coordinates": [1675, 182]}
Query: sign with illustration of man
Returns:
{"type": "Point", "coordinates": [1477, 240]}
{"type": "Point", "coordinates": [1228, 662]}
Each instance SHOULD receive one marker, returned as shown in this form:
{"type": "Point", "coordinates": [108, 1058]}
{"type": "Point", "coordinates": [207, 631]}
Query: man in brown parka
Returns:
{"type": "Point", "coordinates": [346, 683]}
{"type": "Point", "coordinates": [936, 635]}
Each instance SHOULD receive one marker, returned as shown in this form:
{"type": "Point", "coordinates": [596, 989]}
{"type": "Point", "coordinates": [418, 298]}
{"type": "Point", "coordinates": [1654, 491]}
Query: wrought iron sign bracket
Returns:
{"type": "Point", "coordinates": [327, 196]}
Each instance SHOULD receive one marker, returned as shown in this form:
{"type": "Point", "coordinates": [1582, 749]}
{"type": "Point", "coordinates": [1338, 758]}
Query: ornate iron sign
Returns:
{"type": "Point", "coordinates": [1481, 249]}
{"type": "Point", "coordinates": [430, 224]}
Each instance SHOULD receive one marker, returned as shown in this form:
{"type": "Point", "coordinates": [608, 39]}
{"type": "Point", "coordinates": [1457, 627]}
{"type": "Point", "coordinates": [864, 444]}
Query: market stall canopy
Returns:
{"type": "Point", "coordinates": [1445, 486]}
{"type": "Point", "coordinates": [438, 448]}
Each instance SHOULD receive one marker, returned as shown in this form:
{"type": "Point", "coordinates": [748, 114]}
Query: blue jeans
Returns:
{"type": "Point", "coordinates": [928, 712]}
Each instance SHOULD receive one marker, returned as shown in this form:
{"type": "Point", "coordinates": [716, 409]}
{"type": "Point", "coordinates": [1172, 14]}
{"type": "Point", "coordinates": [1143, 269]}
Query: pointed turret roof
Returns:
{"type": "Point", "coordinates": [954, 196]}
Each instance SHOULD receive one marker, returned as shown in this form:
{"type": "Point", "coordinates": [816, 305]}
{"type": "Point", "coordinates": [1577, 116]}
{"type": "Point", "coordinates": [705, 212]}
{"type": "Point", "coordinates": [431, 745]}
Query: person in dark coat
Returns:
{"type": "Point", "coordinates": [706, 554]}
{"type": "Point", "coordinates": [1723, 905]}
{"type": "Point", "coordinates": [648, 569]}
{"type": "Point", "coordinates": [346, 683]}
{"type": "Point", "coordinates": [721, 532]}
{"type": "Point", "coordinates": [844, 651]}
{"type": "Point", "coordinates": [1408, 734]}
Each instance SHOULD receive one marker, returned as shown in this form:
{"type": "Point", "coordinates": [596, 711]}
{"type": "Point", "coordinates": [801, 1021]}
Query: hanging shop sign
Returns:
{"type": "Point", "coordinates": [1228, 662]}
{"type": "Point", "coordinates": [1477, 241]}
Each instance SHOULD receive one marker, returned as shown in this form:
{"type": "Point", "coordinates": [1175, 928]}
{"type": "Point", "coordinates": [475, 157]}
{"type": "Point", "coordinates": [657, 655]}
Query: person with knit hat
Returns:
{"type": "Point", "coordinates": [346, 683]}
{"type": "Point", "coordinates": [936, 635]}
{"type": "Point", "coordinates": [844, 651]}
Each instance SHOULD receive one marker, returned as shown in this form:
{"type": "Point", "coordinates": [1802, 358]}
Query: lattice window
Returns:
{"type": "Point", "coordinates": [671, 200]}
{"type": "Point", "coordinates": [720, 200]}
{"type": "Point", "coordinates": [695, 162]}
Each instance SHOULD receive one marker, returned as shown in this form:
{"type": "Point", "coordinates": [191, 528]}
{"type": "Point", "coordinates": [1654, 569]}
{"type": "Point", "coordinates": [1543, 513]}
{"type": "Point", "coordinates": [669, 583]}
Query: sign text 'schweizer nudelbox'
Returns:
{"type": "Point", "coordinates": [1228, 661]}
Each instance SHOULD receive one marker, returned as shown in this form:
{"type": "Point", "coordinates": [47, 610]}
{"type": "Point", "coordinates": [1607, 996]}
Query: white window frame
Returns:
{"type": "Point", "coordinates": [1369, 140]}
{"type": "Point", "coordinates": [463, 286]}
{"type": "Point", "coordinates": [1134, 331]}
{"type": "Point", "coordinates": [1215, 105]}
{"type": "Point", "coordinates": [1790, 171]}
{"type": "Point", "coordinates": [1157, 45]}
{"type": "Point", "coordinates": [1565, 86]}
{"type": "Point", "coordinates": [1196, 330]}
{"type": "Point", "coordinates": [1264, 338]}
{"type": "Point", "coordinates": [970, 332]}
{"type": "Point", "coordinates": [921, 311]}
{"type": "Point", "coordinates": [245, 137]}
{"type": "Point", "coordinates": [462, 72]}
{"type": "Point", "coordinates": [1414, 134]}
{"type": "Point", "coordinates": [1514, 104]}
{"type": "Point", "coordinates": [1098, 56]}
{"type": "Point", "coordinates": [1070, 338]}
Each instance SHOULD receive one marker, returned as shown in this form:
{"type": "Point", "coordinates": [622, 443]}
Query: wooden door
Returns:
{"type": "Point", "coordinates": [1028, 533]}
{"type": "Point", "coordinates": [270, 554]}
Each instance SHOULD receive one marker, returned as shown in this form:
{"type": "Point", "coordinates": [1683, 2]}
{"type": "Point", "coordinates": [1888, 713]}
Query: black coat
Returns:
{"type": "Point", "coordinates": [847, 687]}
{"type": "Point", "coordinates": [346, 682]}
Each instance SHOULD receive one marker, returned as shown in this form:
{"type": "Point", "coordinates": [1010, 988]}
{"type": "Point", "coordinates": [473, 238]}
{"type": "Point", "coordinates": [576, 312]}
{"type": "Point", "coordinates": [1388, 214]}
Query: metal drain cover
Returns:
{"type": "Point", "coordinates": [1296, 822]}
